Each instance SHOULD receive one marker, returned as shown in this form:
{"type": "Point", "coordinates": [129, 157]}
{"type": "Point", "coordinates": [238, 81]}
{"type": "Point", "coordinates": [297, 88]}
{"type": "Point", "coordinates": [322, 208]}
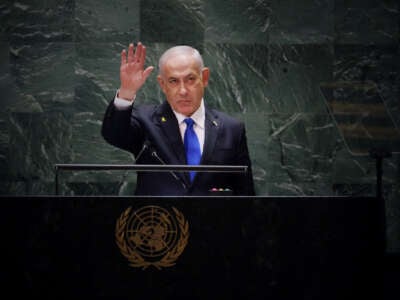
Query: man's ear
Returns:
{"type": "Point", "coordinates": [205, 75]}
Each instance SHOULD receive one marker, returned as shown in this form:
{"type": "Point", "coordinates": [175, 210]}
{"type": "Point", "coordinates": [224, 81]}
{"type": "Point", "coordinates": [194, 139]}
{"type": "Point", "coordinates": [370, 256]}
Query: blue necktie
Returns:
{"type": "Point", "coordinates": [192, 146]}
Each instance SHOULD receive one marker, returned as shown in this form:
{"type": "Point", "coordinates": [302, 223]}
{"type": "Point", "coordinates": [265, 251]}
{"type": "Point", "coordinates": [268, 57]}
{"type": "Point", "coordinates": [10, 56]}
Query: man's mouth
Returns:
{"type": "Point", "coordinates": [184, 101]}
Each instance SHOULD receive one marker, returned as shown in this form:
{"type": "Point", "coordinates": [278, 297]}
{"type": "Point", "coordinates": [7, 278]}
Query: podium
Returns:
{"type": "Point", "coordinates": [219, 248]}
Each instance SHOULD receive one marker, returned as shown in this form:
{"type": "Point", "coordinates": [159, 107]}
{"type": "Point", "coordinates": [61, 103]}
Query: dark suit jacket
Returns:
{"type": "Point", "coordinates": [225, 144]}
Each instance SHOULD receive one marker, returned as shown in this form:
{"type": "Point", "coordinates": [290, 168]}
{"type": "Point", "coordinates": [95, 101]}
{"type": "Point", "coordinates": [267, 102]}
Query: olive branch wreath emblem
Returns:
{"type": "Point", "coordinates": [135, 258]}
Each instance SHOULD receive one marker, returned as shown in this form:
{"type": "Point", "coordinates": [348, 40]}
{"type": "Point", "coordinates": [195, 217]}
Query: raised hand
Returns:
{"type": "Point", "coordinates": [132, 72]}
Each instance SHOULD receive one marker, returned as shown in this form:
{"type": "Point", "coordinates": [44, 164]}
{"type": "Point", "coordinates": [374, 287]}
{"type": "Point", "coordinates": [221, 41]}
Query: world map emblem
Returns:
{"type": "Point", "coordinates": [151, 236]}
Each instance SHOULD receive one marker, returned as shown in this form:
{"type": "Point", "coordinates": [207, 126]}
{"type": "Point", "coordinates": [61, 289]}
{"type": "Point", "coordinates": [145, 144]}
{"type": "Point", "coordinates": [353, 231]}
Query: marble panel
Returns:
{"type": "Point", "coordinates": [44, 77]}
{"type": "Point", "coordinates": [105, 183]}
{"type": "Point", "coordinates": [27, 186]}
{"type": "Point", "coordinates": [177, 22]}
{"type": "Point", "coordinates": [237, 22]}
{"type": "Point", "coordinates": [367, 81]}
{"type": "Point", "coordinates": [35, 127]}
{"type": "Point", "coordinates": [360, 22]}
{"type": "Point", "coordinates": [354, 169]}
{"type": "Point", "coordinates": [295, 73]}
{"type": "Point", "coordinates": [302, 22]}
{"type": "Point", "coordinates": [96, 77]}
{"type": "Point", "coordinates": [87, 188]}
{"type": "Point", "coordinates": [238, 77]}
{"type": "Point", "coordinates": [88, 146]}
{"type": "Point", "coordinates": [37, 21]}
{"type": "Point", "coordinates": [7, 92]}
{"type": "Point", "coordinates": [281, 79]}
{"type": "Point", "coordinates": [361, 116]}
{"type": "Point", "coordinates": [38, 141]}
{"type": "Point", "coordinates": [379, 64]}
{"type": "Point", "coordinates": [107, 21]}
{"type": "Point", "coordinates": [292, 154]}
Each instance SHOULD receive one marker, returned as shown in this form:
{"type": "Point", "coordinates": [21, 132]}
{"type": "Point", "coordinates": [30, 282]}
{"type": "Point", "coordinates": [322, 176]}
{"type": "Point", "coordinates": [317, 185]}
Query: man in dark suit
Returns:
{"type": "Point", "coordinates": [156, 134]}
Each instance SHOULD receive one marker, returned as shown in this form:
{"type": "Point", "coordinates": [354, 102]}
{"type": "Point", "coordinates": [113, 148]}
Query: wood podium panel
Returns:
{"type": "Point", "coordinates": [223, 247]}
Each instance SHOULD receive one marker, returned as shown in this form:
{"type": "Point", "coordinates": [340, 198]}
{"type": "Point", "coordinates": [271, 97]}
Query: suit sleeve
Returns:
{"type": "Point", "coordinates": [117, 130]}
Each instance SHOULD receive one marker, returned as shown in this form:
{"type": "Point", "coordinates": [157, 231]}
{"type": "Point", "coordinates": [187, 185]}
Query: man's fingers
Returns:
{"type": "Point", "coordinates": [135, 56]}
{"type": "Point", "coordinates": [138, 52]}
{"type": "Point", "coordinates": [147, 72]}
{"type": "Point", "coordinates": [142, 56]}
{"type": "Point", "coordinates": [130, 53]}
{"type": "Point", "coordinates": [123, 57]}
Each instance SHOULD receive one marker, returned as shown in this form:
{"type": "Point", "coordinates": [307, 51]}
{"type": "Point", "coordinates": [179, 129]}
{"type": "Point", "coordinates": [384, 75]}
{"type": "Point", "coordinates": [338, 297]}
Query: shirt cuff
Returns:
{"type": "Point", "coordinates": [122, 104]}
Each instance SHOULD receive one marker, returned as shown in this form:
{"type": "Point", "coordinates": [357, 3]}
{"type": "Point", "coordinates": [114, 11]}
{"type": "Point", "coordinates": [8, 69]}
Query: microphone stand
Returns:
{"type": "Point", "coordinates": [379, 154]}
{"type": "Point", "coordinates": [154, 154]}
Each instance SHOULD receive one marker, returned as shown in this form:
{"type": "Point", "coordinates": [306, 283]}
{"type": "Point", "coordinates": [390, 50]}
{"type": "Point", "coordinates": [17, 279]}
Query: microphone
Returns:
{"type": "Point", "coordinates": [146, 145]}
{"type": "Point", "coordinates": [155, 155]}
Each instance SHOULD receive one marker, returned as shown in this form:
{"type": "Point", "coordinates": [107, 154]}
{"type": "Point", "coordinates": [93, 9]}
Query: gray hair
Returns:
{"type": "Point", "coordinates": [177, 50]}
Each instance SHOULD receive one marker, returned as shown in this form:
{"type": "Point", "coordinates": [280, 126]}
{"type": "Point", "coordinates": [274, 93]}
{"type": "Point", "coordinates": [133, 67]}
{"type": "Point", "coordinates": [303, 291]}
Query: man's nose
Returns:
{"type": "Point", "coordinates": [182, 88]}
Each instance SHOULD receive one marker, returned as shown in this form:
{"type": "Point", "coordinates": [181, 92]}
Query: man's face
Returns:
{"type": "Point", "coordinates": [183, 83]}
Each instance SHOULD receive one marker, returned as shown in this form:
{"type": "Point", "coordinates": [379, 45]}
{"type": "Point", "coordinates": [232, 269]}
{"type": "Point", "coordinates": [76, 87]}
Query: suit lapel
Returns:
{"type": "Point", "coordinates": [166, 120]}
{"type": "Point", "coordinates": [211, 125]}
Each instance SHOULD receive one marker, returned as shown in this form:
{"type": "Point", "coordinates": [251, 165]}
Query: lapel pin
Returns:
{"type": "Point", "coordinates": [163, 119]}
{"type": "Point", "coordinates": [215, 123]}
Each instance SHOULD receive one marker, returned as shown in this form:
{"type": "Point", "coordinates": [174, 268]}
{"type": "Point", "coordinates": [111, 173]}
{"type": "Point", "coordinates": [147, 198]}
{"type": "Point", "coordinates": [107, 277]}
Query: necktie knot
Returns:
{"type": "Point", "coordinates": [189, 122]}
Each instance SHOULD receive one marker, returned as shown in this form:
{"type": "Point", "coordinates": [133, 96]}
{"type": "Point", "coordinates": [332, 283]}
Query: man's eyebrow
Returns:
{"type": "Point", "coordinates": [187, 75]}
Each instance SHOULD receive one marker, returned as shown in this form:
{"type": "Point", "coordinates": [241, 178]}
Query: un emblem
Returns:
{"type": "Point", "coordinates": [151, 236]}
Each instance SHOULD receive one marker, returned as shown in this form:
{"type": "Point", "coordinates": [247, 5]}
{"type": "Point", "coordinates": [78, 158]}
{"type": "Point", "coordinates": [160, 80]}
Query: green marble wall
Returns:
{"type": "Point", "coordinates": [317, 83]}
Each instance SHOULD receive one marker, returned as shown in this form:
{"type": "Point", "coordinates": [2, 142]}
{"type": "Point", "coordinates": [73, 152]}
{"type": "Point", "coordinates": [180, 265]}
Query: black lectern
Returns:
{"type": "Point", "coordinates": [191, 247]}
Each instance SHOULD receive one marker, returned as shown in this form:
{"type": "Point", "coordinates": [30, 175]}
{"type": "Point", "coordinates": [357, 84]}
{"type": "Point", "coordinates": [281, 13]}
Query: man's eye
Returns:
{"type": "Point", "coordinates": [172, 81]}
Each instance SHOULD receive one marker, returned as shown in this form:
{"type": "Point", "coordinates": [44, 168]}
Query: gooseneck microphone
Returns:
{"type": "Point", "coordinates": [154, 154]}
{"type": "Point", "coordinates": [148, 146]}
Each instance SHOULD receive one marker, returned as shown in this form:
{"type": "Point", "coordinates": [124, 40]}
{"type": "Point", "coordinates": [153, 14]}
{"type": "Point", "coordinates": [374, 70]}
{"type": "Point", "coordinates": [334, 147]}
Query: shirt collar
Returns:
{"type": "Point", "coordinates": [198, 116]}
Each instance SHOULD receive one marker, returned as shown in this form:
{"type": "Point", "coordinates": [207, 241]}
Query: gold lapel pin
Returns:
{"type": "Point", "coordinates": [163, 119]}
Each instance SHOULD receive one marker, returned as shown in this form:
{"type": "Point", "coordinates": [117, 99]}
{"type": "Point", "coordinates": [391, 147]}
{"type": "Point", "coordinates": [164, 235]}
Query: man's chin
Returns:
{"type": "Point", "coordinates": [187, 111]}
{"type": "Point", "coordinates": [184, 108]}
